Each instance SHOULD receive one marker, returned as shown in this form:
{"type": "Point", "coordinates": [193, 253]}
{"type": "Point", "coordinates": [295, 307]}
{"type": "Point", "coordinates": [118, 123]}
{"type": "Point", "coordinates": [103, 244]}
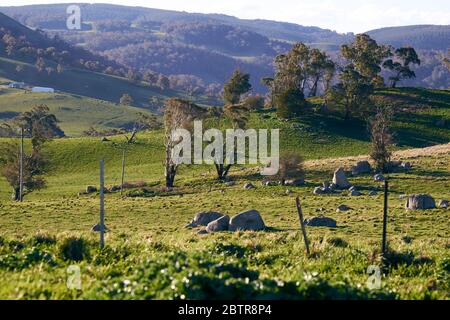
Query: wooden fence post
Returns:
{"type": "Point", "coordinates": [102, 205]}
{"type": "Point", "coordinates": [385, 211]}
{"type": "Point", "coordinates": [302, 224]}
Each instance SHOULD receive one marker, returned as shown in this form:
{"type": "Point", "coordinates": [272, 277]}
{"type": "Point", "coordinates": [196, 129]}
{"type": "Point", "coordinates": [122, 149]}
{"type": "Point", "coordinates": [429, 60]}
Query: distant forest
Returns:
{"type": "Point", "coordinates": [196, 52]}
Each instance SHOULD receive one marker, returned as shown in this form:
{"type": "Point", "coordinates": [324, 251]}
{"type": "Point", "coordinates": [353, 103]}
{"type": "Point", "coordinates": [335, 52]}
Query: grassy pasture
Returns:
{"type": "Point", "coordinates": [150, 254]}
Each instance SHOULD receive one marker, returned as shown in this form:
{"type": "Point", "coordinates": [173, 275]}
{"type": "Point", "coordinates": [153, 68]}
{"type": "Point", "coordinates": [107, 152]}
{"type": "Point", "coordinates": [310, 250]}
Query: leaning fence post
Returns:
{"type": "Point", "coordinates": [302, 223]}
{"type": "Point", "coordinates": [385, 209]}
{"type": "Point", "coordinates": [102, 205]}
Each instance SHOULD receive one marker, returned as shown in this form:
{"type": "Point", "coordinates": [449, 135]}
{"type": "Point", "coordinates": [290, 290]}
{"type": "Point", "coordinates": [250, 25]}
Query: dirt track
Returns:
{"type": "Point", "coordinates": [397, 155]}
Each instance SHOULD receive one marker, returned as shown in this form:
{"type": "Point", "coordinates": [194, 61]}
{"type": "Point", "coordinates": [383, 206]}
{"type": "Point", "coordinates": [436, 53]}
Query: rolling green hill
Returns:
{"type": "Point", "coordinates": [76, 113]}
{"type": "Point", "coordinates": [90, 84]}
{"type": "Point", "coordinates": [422, 120]}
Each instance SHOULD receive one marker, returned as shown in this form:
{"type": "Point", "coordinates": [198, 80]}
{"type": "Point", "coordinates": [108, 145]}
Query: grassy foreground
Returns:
{"type": "Point", "coordinates": [150, 254]}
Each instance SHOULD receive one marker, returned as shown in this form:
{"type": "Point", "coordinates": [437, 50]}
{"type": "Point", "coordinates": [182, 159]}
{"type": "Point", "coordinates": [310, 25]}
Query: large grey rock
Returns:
{"type": "Point", "coordinates": [220, 224]}
{"type": "Point", "coordinates": [321, 221]}
{"type": "Point", "coordinates": [203, 218]}
{"type": "Point", "coordinates": [379, 178]}
{"type": "Point", "coordinates": [361, 167]}
{"type": "Point", "coordinates": [340, 180]}
{"type": "Point", "coordinates": [343, 208]}
{"type": "Point", "coordinates": [247, 221]}
{"type": "Point", "coordinates": [443, 204]}
{"type": "Point", "coordinates": [420, 202]}
{"type": "Point", "coordinates": [373, 193]}
{"type": "Point", "coordinates": [294, 183]}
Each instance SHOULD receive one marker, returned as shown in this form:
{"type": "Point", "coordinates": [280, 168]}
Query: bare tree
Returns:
{"type": "Point", "coordinates": [291, 166]}
{"type": "Point", "coordinates": [238, 115]}
{"type": "Point", "coordinates": [178, 114]}
{"type": "Point", "coordinates": [381, 138]}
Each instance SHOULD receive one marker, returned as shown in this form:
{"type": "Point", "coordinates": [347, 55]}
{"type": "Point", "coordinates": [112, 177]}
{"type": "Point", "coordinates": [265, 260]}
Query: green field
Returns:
{"type": "Point", "coordinates": [149, 253]}
{"type": "Point", "coordinates": [75, 113]}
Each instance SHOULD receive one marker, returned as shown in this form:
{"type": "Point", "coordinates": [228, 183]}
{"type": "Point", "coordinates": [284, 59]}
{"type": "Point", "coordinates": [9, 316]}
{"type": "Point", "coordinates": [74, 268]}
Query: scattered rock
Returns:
{"type": "Point", "coordinates": [91, 189]}
{"type": "Point", "coordinates": [420, 202]}
{"type": "Point", "coordinates": [443, 204]}
{"type": "Point", "coordinates": [402, 196]}
{"type": "Point", "coordinates": [340, 180]}
{"type": "Point", "coordinates": [269, 183]}
{"type": "Point", "coordinates": [230, 183]}
{"type": "Point", "coordinates": [202, 231]}
{"type": "Point", "coordinates": [247, 221]}
{"type": "Point", "coordinates": [361, 167]}
{"type": "Point", "coordinates": [355, 193]}
{"type": "Point", "coordinates": [288, 191]}
{"type": "Point", "coordinates": [343, 208]}
{"type": "Point", "coordinates": [220, 224]}
{"type": "Point", "coordinates": [294, 183]}
{"type": "Point", "coordinates": [406, 165]}
{"type": "Point", "coordinates": [114, 188]}
{"type": "Point", "coordinates": [373, 193]}
{"type": "Point", "coordinates": [321, 221]}
{"type": "Point", "coordinates": [318, 190]}
{"type": "Point", "coordinates": [379, 178]}
{"type": "Point", "coordinates": [333, 186]}
{"type": "Point", "coordinates": [320, 209]}
{"type": "Point", "coordinates": [203, 218]}
{"type": "Point", "coordinates": [97, 228]}
{"type": "Point", "coordinates": [249, 186]}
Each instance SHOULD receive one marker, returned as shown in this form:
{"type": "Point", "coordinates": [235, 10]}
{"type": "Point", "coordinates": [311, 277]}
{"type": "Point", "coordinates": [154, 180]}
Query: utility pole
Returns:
{"type": "Point", "coordinates": [21, 166]}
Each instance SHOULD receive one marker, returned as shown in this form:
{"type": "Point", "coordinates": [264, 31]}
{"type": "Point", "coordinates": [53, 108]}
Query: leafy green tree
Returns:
{"type": "Point", "coordinates": [238, 85]}
{"type": "Point", "coordinates": [39, 124]}
{"type": "Point", "coordinates": [405, 56]}
{"type": "Point", "coordinates": [320, 68]}
{"type": "Point", "coordinates": [254, 102]}
{"type": "Point", "coordinates": [33, 165]}
{"type": "Point", "coordinates": [353, 91]}
{"type": "Point", "coordinates": [289, 103]}
{"type": "Point", "coordinates": [366, 56]}
{"type": "Point", "coordinates": [126, 99]}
